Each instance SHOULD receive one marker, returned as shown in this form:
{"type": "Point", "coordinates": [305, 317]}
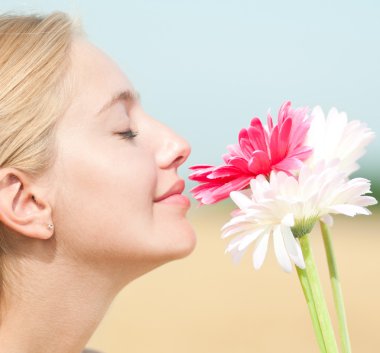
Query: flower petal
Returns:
{"type": "Point", "coordinates": [292, 246]}
{"type": "Point", "coordinates": [236, 255]}
{"type": "Point", "coordinates": [283, 137]}
{"type": "Point", "coordinates": [260, 251]}
{"type": "Point", "coordinates": [236, 229]}
{"type": "Point", "coordinates": [259, 163]}
{"type": "Point", "coordinates": [349, 210]}
{"type": "Point", "coordinates": [288, 220]}
{"type": "Point", "coordinates": [224, 172]}
{"type": "Point", "coordinates": [258, 137]}
{"type": "Point", "coordinates": [241, 200]}
{"type": "Point", "coordinates": [342, 140]}
{"type": "Point", "coordinates": [280, 250]}
{"type": "Point", "coordinates": [249, 238]}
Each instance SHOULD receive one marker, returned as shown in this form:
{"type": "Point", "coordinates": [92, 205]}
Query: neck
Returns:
{"type": "Point", "coordinates": [54, 308]}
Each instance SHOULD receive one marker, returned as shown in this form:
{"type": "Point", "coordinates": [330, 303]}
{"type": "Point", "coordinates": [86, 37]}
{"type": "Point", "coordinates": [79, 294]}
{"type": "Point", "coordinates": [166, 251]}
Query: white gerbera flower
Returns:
{"type": "Point", "coordinates": [287, 208]}
{"type": "Point", "coordinates": [334, 137]}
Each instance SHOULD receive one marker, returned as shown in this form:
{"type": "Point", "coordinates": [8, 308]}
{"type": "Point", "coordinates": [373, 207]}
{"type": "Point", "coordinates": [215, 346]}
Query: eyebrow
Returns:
{"type": "Point", "coordinates": [126, 96]}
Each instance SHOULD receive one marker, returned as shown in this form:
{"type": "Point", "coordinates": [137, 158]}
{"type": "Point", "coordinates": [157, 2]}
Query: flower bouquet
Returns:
{"type": "Point", "coordinates": [284, 179]}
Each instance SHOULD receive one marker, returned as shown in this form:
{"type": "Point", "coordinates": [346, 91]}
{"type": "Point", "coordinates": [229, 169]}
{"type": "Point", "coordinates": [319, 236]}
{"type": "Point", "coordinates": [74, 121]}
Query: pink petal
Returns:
{"type": "Point", "coordinates": [243, 134]}
{"type": "Point", "coordinates": [201, 174]}
{"type": "Point", "coordinates": [234, 150]}
{"type": "Point", "coordinates": [239, 163]}
{"type": "Point", "coordinates": [270, 122]}
{"type": "Point", "coordinates": [283, 138]}
{"type": "Point", "coordinates": [301, 153]}
{"type": "Point", "coordinates": [298, 134]}
{"type": "Point", "coordinates": [234, 185]}
{"type": "Point", "coordinates": [283, 112]}
{"type": "Point", "coordinates": [203, 187]}
{"type": "Point", "coordinates": [226, 157]}
{"type": "Point", "coordinates": [200, 166]}
{"type": "Point", "coordinates": [246, 147]}
{"type": "Point", "coordinates": [259, 163]}
{"type": "Point", "coordinates": [288, 164]}
{"type": "Point", "coordinates": [274, 145]}
{"type": "Point", "coordinates": [224, 172]}
{"type": "Point", "coordinates": [257, 135]}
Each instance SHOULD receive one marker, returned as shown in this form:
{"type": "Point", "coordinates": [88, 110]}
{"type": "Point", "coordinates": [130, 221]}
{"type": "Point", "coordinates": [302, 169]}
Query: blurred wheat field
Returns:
{"type": "Point", "coordinates": [205, 304]}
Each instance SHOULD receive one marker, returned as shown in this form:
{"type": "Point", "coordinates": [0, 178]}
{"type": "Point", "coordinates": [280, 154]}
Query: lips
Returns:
{"type": "Point", "coordinates": [176, 189]}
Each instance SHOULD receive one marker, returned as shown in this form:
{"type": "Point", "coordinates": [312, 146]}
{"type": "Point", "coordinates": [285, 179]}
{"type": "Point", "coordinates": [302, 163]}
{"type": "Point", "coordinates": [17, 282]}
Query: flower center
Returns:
{"type": "Point", "coordinates": [303, 226]}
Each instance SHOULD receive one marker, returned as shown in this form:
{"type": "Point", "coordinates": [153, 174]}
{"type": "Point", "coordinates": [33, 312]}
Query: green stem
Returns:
{"type": "Point", "coordinates": [310, 303]}
{"type": "Point", "coordinates": [336, 288]}
{"type": "Point", "coordinates": [319, 300]}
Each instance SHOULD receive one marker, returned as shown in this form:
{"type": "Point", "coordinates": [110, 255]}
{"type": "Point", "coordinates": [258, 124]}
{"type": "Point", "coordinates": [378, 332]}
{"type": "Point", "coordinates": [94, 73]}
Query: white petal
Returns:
{"type": "Point", "coordinates": [234, 243]}
{"type": "Point", "coordinates": [260, 251]}
{"type": "Point", "coordinates": [280, 251]}
{"type": "Point", "coordinates": [234, 221]}
{"type": "Point", "coordinates": [334, 134]}
{"type": "Point", "coordinates": [236, 255]}
{"type": "Point", "coordinates": [241, 200]}
{"type": "Point", "coordinates": [349, 210]}
{"type": "Point", "coordinates": [236, 229]}
{"type": "Point", "coordinates": [317, 129]}
{"type": "Point", "coordinates": [249, 238]}
{"type": "Point", "coordinates": [288, 220]}
{"type": "Point", "coordinates": [244, 239]}
{"type": "Point", "coordinates": [293, 248]}
{"type": "Point", "coordinates": [259, 187]}
{"type": "Point", "coordinates": [336, 138]}
{"type": "Point", "coordinates": [365, 201]}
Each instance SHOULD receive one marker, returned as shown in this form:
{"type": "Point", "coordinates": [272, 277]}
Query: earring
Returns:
{"type": "Point", "coordinates": [50, 226]}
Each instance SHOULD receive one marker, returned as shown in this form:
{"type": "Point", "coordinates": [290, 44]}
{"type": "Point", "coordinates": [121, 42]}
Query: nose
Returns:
{"type": "Point", "coordinates": [173, 150]}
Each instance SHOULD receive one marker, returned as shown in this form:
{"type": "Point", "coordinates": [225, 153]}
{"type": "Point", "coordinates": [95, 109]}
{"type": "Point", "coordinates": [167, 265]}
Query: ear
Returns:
{"type": "Point", "coordinates": [21, 208]}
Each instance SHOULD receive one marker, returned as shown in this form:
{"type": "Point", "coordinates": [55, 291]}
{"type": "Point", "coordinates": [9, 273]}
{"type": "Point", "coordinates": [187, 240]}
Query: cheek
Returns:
{"type": "Point", "coordinates": [106, 199]}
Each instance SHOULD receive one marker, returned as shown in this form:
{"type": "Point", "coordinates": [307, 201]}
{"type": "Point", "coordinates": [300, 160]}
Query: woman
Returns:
{"type": "Point", "coordinates": [90, 198]}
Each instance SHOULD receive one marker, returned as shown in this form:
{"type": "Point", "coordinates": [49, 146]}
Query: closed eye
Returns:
{"type": "Point", "coordinates": [128, 134]}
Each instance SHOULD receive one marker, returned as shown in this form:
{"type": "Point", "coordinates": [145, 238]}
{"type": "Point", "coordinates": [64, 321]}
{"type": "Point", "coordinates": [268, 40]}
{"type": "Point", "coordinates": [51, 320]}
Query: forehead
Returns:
{"type": "Point", "coordinates": [96, 77]}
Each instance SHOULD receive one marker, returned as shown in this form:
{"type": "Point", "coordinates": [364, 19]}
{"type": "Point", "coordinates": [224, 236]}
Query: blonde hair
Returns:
{"type": "Point", "coordinates": [34, 60]}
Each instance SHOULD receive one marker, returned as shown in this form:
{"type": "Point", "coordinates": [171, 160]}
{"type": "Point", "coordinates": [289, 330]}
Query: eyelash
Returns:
{"type": "Point", "coordinates": [128, 134]}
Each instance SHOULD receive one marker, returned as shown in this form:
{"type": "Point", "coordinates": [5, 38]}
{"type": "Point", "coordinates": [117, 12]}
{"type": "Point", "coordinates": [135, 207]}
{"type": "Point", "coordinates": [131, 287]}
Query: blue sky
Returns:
{"type": "Point", "coordinates": [207, 67]}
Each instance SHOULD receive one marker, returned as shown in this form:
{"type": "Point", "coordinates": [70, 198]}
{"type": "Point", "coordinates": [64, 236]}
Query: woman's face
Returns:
{"type": "Point", "coordinates": [110, 200]}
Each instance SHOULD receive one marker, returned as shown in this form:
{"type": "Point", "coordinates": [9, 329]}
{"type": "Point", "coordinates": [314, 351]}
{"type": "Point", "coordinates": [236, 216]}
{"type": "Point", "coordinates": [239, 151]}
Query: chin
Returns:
{"type": "Point", "coordinates": [180, 246]}
{"type": "Point", "coordinates": [180, 242]}
{"type": "Point", "coordinates": [187, 246]}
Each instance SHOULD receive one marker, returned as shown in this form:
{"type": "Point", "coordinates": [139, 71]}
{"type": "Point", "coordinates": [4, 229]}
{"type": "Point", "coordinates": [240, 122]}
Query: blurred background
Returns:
{"type": "Point", "coordinates": [205, 68]}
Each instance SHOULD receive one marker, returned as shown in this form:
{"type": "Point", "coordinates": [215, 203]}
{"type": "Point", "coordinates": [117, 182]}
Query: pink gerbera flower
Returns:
{"type": "Point", "coordinates": [260, 150]}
